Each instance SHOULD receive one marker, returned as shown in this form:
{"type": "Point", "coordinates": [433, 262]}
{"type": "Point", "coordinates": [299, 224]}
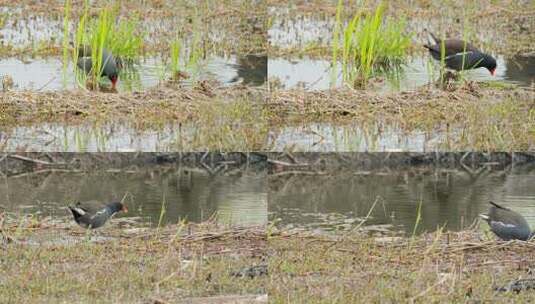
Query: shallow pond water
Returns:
{"type": "Point", "coordinates": [114, 137]}
{"type": "Point", "coordinates": [448, 197]}
{"type": "Point", "coordinates": [317, 74]}
{"type": "Point", "coordinates": [327, 137]}
{"type": "Point", "coordinates": [47, 74]}
{"type": "Point", "coordinates": [187, 193]}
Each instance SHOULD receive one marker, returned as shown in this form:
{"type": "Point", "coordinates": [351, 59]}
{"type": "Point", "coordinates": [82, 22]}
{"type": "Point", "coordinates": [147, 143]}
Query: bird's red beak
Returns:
{"type": "Point", "coordinates": [113, 83]}
{"type": "Point", "coordinates": [493, 72]}
{"type": "Point", "coordinates": [125, 210]}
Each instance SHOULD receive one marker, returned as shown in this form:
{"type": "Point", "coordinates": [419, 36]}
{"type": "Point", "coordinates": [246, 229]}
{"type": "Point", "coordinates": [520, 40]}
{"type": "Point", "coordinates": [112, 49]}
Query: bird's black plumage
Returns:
{"type": "Point", "coordinates": [506, 223]}
{"type": "Point", "coordinates": [460, 55]}
{"type": "Point", "coordinates": [110, 64]}
{"type": "Point", "coordinates": [94, 214]}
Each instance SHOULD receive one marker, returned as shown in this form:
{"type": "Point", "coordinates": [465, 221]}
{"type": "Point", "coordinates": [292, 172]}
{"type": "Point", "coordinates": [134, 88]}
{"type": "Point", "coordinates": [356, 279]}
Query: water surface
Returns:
{"type": "Point", "coordinates": [48, 74]}
{"type": "Point", "coordinates": [452, 198]}
{"type": "Point", "coordinates": [185, 193]}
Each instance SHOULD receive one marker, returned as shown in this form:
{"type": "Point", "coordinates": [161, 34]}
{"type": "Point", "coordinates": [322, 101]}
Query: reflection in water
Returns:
{"type": "Point", "coordinates": [47, 74]}
{"type": "Point", "coordinates": [186, 193]}
{"type": "Point", "coordinates": [521, 68]}
{"type": "Point", "coordinates": [251, 69]}
{"type": "Point", "coordinates": [450, 197]}
{"type": "Point", "coordinates": [119, 137]}
{"type": "Point", "coordinates": [326, 137]}
{"type": "Point", "coordinates": [317, 74]}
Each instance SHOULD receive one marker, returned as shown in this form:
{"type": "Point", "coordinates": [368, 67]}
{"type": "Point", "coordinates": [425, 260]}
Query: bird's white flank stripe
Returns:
{"type": "Point", "coordinates": [79, 210]}
{"type": "Point", "coordinates": [503, 224]}
{"type": "Point", "coordinates": [98, 213]}
{"type": "Point", "coordinates": [458, 54]}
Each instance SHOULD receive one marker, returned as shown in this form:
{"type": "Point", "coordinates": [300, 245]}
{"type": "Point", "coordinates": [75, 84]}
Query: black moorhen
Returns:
{"type": "Point", "coordinates": [507, 224]}
{"type": "Point", "coordinates": [455, 51]}
{"type": "Point", "coordinates": [110, 64]}
{"type": "Point", "coordinates": [94, 214]}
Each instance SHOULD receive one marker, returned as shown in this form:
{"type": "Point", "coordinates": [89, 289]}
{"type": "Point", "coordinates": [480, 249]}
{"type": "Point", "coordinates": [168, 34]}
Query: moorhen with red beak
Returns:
{"type": "Point", "coordinates": [461, 55]}
{"type": "Point", "coordinates": [110, 64]}
{"type": "Point", "coordinates": [94, 214]}
{"type": "Point", "coordinates": [507, 224]}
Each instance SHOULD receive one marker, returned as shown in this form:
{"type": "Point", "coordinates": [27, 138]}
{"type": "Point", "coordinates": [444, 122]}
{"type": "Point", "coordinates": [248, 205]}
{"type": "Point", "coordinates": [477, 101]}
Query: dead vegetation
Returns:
{"type": "Point", "coordinates": [151, 107]}
{"type": "Point", "coordinates": [472, 116]}
{"type": "Point", "coordinates": [362, 268]}
{"type": "Point", "coordinates": [51, 259]}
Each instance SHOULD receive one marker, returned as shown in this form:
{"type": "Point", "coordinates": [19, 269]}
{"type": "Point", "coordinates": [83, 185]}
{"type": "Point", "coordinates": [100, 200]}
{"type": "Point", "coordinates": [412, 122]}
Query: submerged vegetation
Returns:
{"type": "Point", "coordinates": [371, 44]}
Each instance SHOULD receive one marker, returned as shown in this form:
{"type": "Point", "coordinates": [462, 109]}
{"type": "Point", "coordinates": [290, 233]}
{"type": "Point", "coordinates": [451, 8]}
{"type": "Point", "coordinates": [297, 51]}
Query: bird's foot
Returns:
{"type": "Point", "coordinates": [447, 80]}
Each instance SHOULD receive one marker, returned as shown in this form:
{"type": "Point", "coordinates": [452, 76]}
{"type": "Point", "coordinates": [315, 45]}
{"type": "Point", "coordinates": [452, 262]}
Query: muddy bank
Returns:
{"type": "Point", "coordinates": [213, 163]}
{"type": "Point", "coordinates": [349, 162]}
{"type": "Point", "coordinates": [128, 263]}
{"type": "Point", "coordinates": [440, 267]}
{"type": "Point", "coordinates": [469, 116]}
{"type": "Point", "coordinates": [147, 108]}
{"type": "Point", "coordinates": [199, 118]}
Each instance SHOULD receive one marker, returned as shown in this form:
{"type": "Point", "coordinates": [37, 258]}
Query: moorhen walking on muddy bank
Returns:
{"type": "Point", "coordinates": [507, 224]}
{"type": "Point", "coordinates": [460, 55]}
{"type": "Point", "coordinates": [110, 64]}
{"type": "Point", "coordinates": [94, 214]}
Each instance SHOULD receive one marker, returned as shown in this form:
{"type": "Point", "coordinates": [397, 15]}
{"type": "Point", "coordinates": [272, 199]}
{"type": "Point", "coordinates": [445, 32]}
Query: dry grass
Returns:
{"type": "Point", "coordinates": [154, 106]}
{"type": "Point", "coordinates": [473, 115]}
{"type": "Point", "coordinates": [432, 268]}
{"type": "Point", "coordinates": [224, 118]}
{"type": "Point", "coordinates": [46, 261]}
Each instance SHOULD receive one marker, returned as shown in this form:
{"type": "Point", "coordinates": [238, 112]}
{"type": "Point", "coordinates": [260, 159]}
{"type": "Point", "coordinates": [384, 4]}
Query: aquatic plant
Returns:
{"type": "Point", "coordinates": [371, 44]}
{"type": "Point", "coordinates": [120, 36]}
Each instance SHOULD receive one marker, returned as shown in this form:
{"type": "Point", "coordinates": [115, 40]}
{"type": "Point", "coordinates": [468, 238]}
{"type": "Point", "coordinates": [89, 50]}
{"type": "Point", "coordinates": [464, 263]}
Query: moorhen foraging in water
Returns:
{"type": "Point", "coordinates": [507, 224]}
{"type": "Point", "coordinates": [94, 214]}
{"type": "Point", "coordinates": [110, 64]}
{"type": "Point", "coordinates": [457, 52]}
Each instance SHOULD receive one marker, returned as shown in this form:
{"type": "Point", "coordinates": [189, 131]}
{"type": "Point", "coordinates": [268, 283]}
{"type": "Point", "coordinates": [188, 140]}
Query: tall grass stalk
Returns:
{"type": "Point", "coordinates": [66, 20]}
{"type": "Point", "coordinates": [336, 39]}
{"type": "Point", "coordinates": [418, 218]}
{"type": "Point", "coordinates": [175, 55]}
{"type": "Point", "coordinates": [162, 213]}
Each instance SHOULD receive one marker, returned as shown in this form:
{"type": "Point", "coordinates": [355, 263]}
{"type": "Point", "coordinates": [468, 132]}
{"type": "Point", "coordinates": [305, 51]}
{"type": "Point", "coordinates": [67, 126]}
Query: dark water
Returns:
{"type": "Point", "coordinates": [186, 193]}
{"type": "Point", "coordinates": [448, 197]}
{"type": "Point", "coordinates": [48, 74]}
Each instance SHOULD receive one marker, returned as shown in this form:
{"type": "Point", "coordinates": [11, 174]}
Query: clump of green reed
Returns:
{"type": "Point", "coordinates": [371, 44]}
{"type": "Point", "coordinates": [107, 31]}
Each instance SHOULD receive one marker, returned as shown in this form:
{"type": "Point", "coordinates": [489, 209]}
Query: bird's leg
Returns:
{"type": "Point", "coordinates": [87, 237]}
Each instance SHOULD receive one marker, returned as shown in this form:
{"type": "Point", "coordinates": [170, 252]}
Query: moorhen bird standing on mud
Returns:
{"type": "Point", "coordinates": [461, 55]}
{"type": "Point", "coordinates": [507, 224]}
{"type": "Point", "coordinates": [110, 64]}
{"type": "Point", "coordinates": [94, 214]}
